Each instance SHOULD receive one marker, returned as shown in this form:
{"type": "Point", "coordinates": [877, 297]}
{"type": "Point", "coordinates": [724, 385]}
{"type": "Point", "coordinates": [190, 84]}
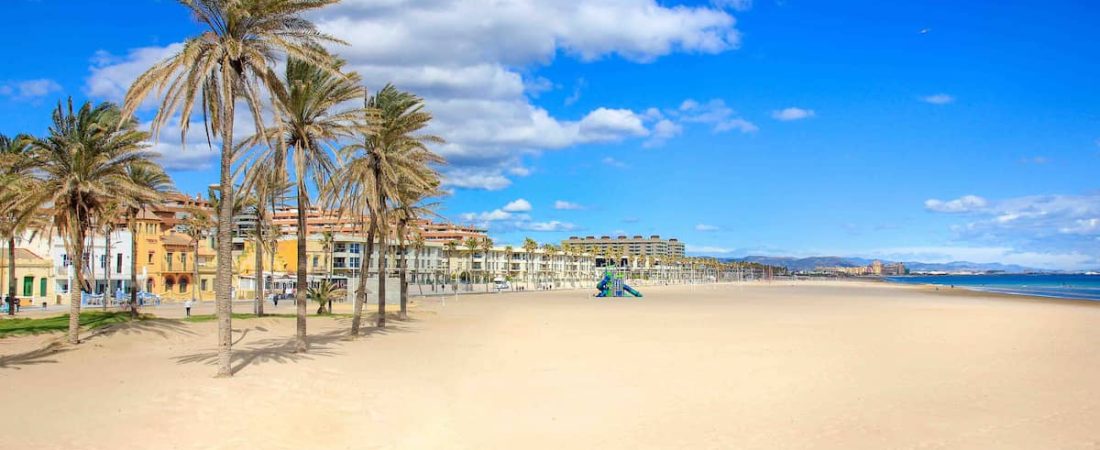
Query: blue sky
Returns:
{"type": "Point", "coordinates": [935, 131]}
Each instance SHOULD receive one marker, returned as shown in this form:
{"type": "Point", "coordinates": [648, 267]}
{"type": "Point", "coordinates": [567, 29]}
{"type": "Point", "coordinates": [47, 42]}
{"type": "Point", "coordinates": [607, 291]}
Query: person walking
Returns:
{"type": "Point", "coordinates": [187, 307]}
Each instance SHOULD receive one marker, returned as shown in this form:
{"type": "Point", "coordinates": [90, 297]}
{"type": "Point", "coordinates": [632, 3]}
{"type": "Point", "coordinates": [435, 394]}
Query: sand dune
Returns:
{"type": "Point", "coordinates": [796, 365]}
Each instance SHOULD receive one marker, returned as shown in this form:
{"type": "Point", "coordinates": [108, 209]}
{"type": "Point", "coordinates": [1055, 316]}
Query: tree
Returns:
{"type": "Point", "coordinates": [508, 251]}
{"type": "Point", "coordinates": [529, 246]}
{"type": "Point", "coordinates": [310, 102]}
{"type": "Point", "coordinates": [153, 178]}
{"type": "Point", "coordinates": [233, 58]}
{"type": "Point", "coordinates": [450, 247]}
{"type": "Point", "coordinates": [323, 294]}
{"type": "Point", "coordinates": [16, 167]}
{"type": "Point", "coordinates": [196, 225]}
{"type": "Point", "coordinates": [81, 166]}
{"type": "Point", "coordinates": [267, 182]}
{"type": "Point", "coordinates": [486, 245]}
{"type": "Point", "coordinates": [392, 152]}
{"type": "Point", "coordinates": [409, 206]}
{"type": "Point", "coordinates": [472, 244]}
{"type": "Point", "coordinates": [418, 247]}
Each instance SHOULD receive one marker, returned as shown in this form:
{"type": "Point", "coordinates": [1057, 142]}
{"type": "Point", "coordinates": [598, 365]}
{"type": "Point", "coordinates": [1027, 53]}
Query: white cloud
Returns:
{"type": "Point", "coordinates": [715, 113]}
{"type": "Point", "coordinates": [471, 72]}
{"type": "Point", "coordinates": [518, 205]}
{"type": "Point", "coordinates": [938, 99]}
{"type": "Point", "coordinates": [792, 113]}
{"type": "Point", "coordinates": [664, 130]}
{"type": "Point", "coordinates": [1051, 231]}
{"type": "Point", "coordinates": [552, 225]}
{"type": "Point", "coordinates": [576, 95]}
{"type": "Point", "coordinates": [966, 203]}
{"type": "Point", "coordinates": [985, 255]}
{"type": "Point", "coordinates": [564, 205]}
{"type": "Point", "coordinates": [738, 5]}
{"type": "Point", "coordinates": [29, 89]}
{"type": "Point", "coordinates": [706, 249]}
{"type": "Point", "coordinates": [613, 162]}
{"type": "Point", "coordinates": [111, 76]}
{"type": "Point", "coordinates": [702, 227]}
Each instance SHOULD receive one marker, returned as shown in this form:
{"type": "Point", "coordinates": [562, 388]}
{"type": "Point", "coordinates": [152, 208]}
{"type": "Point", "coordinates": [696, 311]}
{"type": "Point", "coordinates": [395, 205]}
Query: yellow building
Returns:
{"type": "Point", "coordinates": [166, 262]}
{"type": "Point", "coordinates": [33, 278]}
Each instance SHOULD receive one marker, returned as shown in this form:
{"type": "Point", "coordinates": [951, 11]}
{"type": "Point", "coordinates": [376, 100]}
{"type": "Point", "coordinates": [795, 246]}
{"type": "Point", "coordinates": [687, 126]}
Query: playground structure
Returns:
{"type": "Point", "coordinates": [612, 285]}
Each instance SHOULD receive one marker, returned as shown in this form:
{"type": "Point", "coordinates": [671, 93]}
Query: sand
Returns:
{"type": "Point", "coordinates": [783, 365]}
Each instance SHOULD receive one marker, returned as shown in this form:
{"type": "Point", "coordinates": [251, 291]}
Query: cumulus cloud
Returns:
{"type": "Point", "coordinates": [702, 227]}
{"type": "Point", "coordinates": [966, 203]}
{"type": "Point", "coordinates": [1057, 230]}
{"type": "Point", "coordinates": [938, 99]}
{"type": "Point", "coordinates": [518, 205]}
{"type": "Point", "coordinates": [737, 5]}
{"type": "Point", "coordinates": [565, 205]}
{"type": "Point", "coordinates": [613, 162]}
{"type": "Point", "coordinates": [792, 113]}
{"type": "Point", "coordinates": [29, 89]}
{"type": "Point", "coordinates": [471, 72]}
{"type": "Point", "coordinates": [714, 113]}
{"type": "Point", "coordinates": [706, 250]}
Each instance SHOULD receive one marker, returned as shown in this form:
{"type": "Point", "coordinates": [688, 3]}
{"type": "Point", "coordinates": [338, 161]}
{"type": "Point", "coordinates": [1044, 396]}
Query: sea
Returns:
{"type": "Point", "coordinates": [1077, 286]}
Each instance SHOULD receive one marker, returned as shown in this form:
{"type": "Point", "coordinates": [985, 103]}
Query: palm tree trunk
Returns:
{"type": "Point", "coordinates": [133, 267]}
{"type": "Point", "coordinates": [75, 288]}
{"type": "Point", "coordinates": [416, 272]}
{"type": "Point", "coordinates": [364, 270]}
{"type": "Point", "coordinates": [195, 266]}
{"type": "Point", "coordinates": [303, 282]}
{"type": "Point", "coordinates": [401, 265]}
{"type": "Point", "coordinates": [382, 280]}
{"type": "Point", "coordinates": [107, 267]}
{"type": "Point", "coordinates": [259, 272]}
{"type": "Point", "coordinates": [11, 275]}
{"type": "Point", "coordinates": [224, 279]}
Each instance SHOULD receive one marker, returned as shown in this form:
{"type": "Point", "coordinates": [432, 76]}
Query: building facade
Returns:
{"type": "Point", "coordinates": [624, 246]}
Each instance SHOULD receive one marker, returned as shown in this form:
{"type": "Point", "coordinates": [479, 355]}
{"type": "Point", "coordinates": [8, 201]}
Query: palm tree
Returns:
{"type": "Point", "coordinates": [196, 224]}
{"type": "Point", "coordinates": [81, 166]}
{"type": "Point", "coordinates": [486, 245]}
{"type": "Point", "coordinates": [450, 247]}
{"type": "Point", "coordinates": [549, 251]}
{"type": "Point", "coordinates": [323, 294]}
{"type": "Point", "coordinates": [153, 178]}
{"type": "Point", "coordinates": [328, 240]}
{"type": "Point", "coordinates": [529, 245]}
{"type": "Point", "coordinates": [471, 244]}
{"type": "Point", "coordinates": [234, 58]}
{"type": "Point", "coordinates": [418, 247]}
{"type": "Point", "coordinates": [15, 169]}
{"type": "Point", "coordinates": [409, 207]}
{"type": "Point", "coordinates": [508, 251]}
{"type": "Point", "coordinates": [392, 152]}
{"type": "Point", "coordinates": [267, 184]}
{"type": "Point", "coordinates": [313, 120]}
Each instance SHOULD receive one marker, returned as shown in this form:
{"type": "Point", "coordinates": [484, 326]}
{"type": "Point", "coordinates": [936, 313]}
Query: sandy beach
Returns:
{"type": "Point", "coordinates": [781, 365]}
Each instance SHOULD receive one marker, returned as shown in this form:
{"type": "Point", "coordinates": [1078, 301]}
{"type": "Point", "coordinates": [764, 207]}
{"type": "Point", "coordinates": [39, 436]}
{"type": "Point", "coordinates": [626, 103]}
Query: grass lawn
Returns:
{"type": "Point", "coordinates": [89, 320]}
{"type": "Point", "coordinates": [196, 318]}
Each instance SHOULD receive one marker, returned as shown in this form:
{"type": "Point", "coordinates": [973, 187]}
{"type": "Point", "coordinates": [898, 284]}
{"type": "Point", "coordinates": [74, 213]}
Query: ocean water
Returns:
{"type": "Point", "coordinates": [1085, 287]}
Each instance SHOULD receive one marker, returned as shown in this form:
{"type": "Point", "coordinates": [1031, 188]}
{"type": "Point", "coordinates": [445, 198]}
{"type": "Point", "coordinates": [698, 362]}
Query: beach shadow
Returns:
{"type": "Point", "coordinates": [159, 327]}
{"type": "Point", "coordinates": [33, 357]}
{"type": "Point", "coordinates": [282, 350]}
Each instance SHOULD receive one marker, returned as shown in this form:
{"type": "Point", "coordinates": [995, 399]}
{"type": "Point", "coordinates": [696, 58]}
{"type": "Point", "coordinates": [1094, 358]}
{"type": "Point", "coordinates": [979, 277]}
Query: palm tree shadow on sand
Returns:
{"type": "Point", "coordinates": [281, 349]}
{"type": "Point", "coordinates": [159, 327]}
{"type": "Point", "coordinates": [34, 357]}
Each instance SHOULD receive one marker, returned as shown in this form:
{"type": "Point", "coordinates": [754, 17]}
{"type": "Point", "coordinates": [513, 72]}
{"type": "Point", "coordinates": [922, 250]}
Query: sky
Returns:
{"type": "Point", "coordinates": [932, 131]}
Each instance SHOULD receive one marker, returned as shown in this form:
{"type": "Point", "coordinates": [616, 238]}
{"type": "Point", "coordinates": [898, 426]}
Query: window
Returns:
{"type": "Point", "coordinates": [42, 287]}
{"type": "Point", "coordinates": [338, 263]}
{"type": "Point", "coordinates": [150, 257]}
{"type": "Point", "coordinates": [315, 260]}
{"type": "Point", "coordinates": [354, 248]}
{"type": "Point", "coordinates": [118, 263]}
{"type": "Point", "coordinates": [103, 261]}
{"type": "Point", "coordinates": [202, 284]}
{"type": "Point", "coordinates": [183, 285]}
{"type": "Point", "coordinates": [65, 260]}
{"type": "Point", "coordinates": [28, 286]}
{"type": "Point", "coordinates": [340, 248]}
{"type": "Point", "coordinates": [353, 263]}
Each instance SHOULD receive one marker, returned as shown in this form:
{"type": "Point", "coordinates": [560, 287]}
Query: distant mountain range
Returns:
{"type": "Point", "coordinates": [813, 262]}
